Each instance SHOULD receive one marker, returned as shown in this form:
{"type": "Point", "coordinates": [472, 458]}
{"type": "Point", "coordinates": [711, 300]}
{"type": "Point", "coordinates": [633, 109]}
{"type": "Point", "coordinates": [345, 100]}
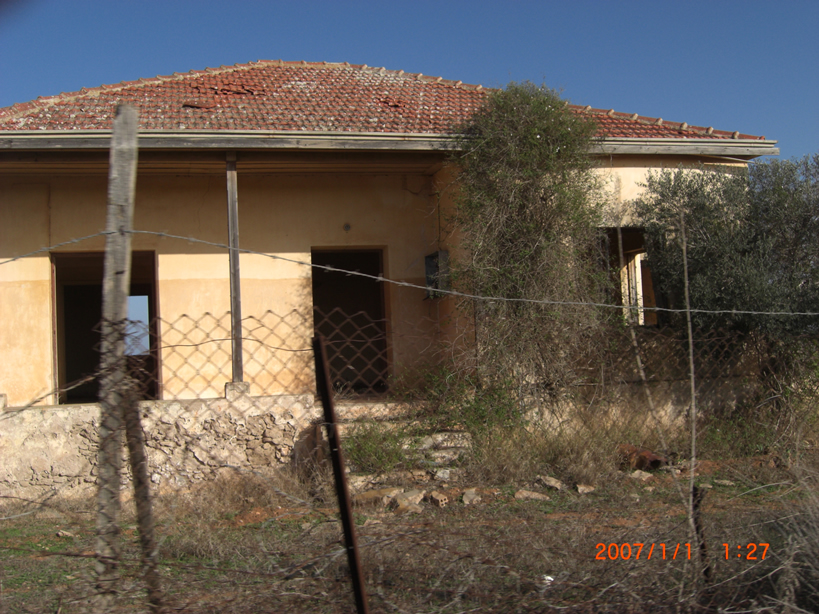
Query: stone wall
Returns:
{"type": "Point", "coordinates": [53, 449]}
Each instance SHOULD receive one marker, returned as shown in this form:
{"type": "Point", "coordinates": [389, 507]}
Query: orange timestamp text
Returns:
{"type": "Point", "coordinates": [626, 551]}
{"type": "Point", "coordinates": [661, 551]}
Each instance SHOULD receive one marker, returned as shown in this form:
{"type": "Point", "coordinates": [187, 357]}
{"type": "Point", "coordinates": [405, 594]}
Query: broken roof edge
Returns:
{"type": "Point", "coordinates": [682, 127]}
{"type": "Point", "coordinates": [357, 141]}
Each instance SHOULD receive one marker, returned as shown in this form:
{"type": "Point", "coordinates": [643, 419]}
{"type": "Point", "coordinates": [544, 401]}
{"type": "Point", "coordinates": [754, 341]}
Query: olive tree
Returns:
{"type": "Point", "coordinates": [752, 240]}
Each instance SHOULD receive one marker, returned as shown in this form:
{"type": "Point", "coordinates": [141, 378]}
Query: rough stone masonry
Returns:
{"type": "Point", "coordinates": [54, 449]}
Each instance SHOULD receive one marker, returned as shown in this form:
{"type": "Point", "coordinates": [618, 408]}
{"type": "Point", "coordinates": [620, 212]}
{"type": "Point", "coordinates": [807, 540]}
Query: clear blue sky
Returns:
{"type": "Point", "coordinates": [747, 65]}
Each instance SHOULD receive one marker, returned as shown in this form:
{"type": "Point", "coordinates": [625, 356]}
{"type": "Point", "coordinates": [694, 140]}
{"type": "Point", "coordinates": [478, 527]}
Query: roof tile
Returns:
{"type": "Point", "coordinates": [301, 96]}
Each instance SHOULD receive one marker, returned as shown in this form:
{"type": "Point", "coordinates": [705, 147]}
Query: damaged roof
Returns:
{"type": "Point", "coordinates": [277, 96]}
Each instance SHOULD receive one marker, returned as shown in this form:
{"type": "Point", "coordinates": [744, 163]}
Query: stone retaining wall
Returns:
{"type": "Point", "coordinates": [53, 449]}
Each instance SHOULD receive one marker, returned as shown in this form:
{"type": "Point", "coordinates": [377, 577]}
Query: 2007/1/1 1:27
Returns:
{"type": "Point", "coordinates": [625, 551]}
{"type": "Point", "coordinates": [751, 551]}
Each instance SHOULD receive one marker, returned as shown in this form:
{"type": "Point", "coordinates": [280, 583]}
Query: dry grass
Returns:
{"type": "Point", "coordinates": [262, 544]}
{"type": "Point", "coordinates": [272, 543]}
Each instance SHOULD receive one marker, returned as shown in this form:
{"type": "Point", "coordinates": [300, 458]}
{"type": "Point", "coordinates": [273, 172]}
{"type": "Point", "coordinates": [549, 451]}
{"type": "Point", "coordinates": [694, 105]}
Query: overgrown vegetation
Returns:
{"type": "Point", "coordinates": [752, 243]}
{"type": "Point", "coordinates": [528, 216]}
{"type": "Point", "coordinates": [371, 447]}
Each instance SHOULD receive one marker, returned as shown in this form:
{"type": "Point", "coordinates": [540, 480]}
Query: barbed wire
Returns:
{"type": "Point", "coordinates": [56, 245]}
{"type": "Point", "coordinates": [405, 284]}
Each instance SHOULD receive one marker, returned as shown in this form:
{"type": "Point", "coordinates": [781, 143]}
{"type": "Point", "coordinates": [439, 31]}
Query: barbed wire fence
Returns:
{"type": "Point", "coordinates": [238, 471]}
{"type": "Point", "coordinates": [219, 459]}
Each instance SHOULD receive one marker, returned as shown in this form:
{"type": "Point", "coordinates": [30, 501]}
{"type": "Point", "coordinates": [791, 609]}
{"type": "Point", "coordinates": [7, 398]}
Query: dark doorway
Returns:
{"type": "Point", "coordinates": [78, 293]}
{"type": "Point", "coordinates": [349, 313]}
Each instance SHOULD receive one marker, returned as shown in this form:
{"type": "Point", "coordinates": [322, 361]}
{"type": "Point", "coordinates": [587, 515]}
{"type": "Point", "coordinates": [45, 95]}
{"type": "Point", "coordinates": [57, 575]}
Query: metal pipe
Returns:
{"type": "Point", "coordinates": [235, 279]}
{"type": "Point", "coordinates": [343, 493]}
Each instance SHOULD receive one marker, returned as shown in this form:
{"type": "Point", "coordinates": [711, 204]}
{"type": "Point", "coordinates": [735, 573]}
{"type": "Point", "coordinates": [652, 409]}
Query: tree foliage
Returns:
{"type": "Point", "coordinates": [528, 215]}
{"type": "Point", "coordinates": [752, 242]}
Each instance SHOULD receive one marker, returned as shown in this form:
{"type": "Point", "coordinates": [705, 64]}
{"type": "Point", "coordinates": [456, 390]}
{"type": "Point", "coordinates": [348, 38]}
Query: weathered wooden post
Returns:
{"type": "Point", "coordinates": [118, 398]}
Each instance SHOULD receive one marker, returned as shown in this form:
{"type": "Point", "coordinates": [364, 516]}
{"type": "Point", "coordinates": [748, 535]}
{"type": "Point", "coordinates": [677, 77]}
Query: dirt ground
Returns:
{"type": "Point", "coordinates": [628, 546]}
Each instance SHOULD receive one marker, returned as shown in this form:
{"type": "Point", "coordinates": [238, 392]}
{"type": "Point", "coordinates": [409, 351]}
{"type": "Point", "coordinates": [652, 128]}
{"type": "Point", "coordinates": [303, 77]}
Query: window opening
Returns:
{"type": "Point", "coordinates": [140, 332]}
{"type": "Point", "coordinates": [636, 287]}
{"type": "Point", "coordinates": [78, 294]}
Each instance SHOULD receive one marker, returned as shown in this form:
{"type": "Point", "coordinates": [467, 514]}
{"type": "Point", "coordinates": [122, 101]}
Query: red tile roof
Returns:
{"type": "Point", "coordinates": [300, 96]}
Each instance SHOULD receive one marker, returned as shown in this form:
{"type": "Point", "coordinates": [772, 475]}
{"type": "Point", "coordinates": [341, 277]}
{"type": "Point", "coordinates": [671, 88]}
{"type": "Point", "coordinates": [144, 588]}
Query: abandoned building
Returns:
{"type": "Point", "coordinates": [337, 165]}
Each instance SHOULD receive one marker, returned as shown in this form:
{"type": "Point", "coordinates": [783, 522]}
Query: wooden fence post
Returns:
{"type": "Point", "coordinates": [117, 395]}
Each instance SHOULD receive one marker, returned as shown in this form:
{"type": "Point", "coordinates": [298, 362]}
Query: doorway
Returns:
{"type": "Point", "coordinates": [349, 313]}
{"type": "Point", "coordinates": [636, 286]}
{"type": "Point", "coordinates": [78, 298]}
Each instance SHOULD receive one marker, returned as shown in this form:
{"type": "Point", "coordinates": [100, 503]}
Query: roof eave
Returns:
{"type": "Point", "coordinates": [227, 139]}
{"type": "Point", "coordinates": [359, 141]}
{"type": "Point", "coordinates": [734, 148]}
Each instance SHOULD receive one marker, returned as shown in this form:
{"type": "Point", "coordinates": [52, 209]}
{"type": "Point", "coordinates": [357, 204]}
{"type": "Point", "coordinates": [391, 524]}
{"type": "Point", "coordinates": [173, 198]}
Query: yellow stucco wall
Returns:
{"type": "Point", "coordinates": [624, 177]}
{"type": "Point", "coordinates": [25, 293]}
{"type": "Point", "coordinates": [284, 215]}
{"type": "Point", "coordinates": [280, 214]}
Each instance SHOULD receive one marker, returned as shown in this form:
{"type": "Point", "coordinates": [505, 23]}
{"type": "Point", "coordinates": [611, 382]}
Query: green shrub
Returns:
{"type": "Point", "coordinates": [377, 448]}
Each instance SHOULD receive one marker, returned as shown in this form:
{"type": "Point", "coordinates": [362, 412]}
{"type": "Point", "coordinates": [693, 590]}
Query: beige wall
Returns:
{"type": "Point", "coordinates": [279, 214]}
{"type": "Point", "coordinates": [25, 293]}
{"type": "Point", "coordinates": [624, 177]}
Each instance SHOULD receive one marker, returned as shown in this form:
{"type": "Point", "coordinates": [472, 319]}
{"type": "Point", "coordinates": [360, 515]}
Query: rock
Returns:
{"type": "Point", "coordinates": [724, 482]}
{"type": "Point", "coordinates": [64, 534]}
{"type": "Point", "coordinates": [408, 508]}
{"type": "Point", "coordinates": [259, 457]}
{"type": "Point", "coordinates": [444, 457]}
{"type": "Point", "coordinates": [413, 497]}
{"type": "Point", "coordinates": [471, 496]}
{"type": "Point", "coordinates": [445, 440]}
{"type": "Point", "coordinates": [381, 496]}
{"type": "Point", "coordinates": [550, 482]}
{"type": "Point", "coordinates": [706, 485]}
{"type": "Point", "coordinates": [425, 443]}
{"type": "Point", "coordinates": [359, 482]}
{"type": "Point", "coordinates": [442, 474]}
{"type": "Point", "coordinates": [438, 499]}
{"type": "Point", "coordinates": [637, 474]}
{"type": "Point", "coordinates": [273, 435]}
{"type": "Point", "coordinates": [584, 489]}
{"type": "Point", "coordinates": [525, 495]}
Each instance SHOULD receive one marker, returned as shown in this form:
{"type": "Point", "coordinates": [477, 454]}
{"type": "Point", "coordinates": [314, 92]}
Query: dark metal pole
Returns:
{"type": "Point", "coordinates": [235, 279]}
{"type": "Point", "coordinates": [350, 542]}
